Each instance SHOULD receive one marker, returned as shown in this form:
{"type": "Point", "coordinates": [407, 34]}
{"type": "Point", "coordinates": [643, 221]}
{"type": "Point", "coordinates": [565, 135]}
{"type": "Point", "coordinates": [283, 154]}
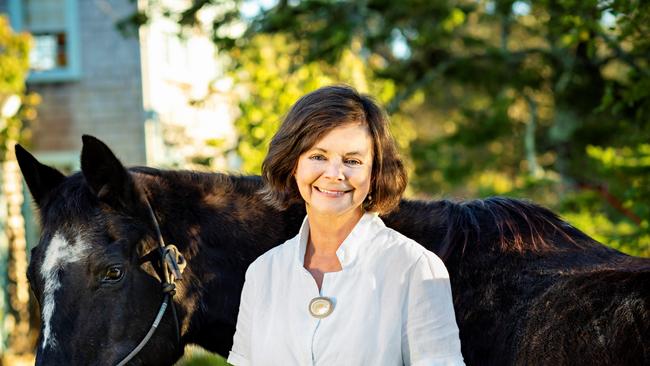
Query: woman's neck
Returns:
{"type": "Point", "coordinates": [327, 232]}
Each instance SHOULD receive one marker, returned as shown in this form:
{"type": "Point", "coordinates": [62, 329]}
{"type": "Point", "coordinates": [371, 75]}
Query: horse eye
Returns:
{"type": "Point", "coordinates": [113, 274]}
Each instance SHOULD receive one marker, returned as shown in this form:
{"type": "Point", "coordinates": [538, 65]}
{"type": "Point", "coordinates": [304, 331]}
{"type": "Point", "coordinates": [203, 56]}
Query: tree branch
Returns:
{"type": "Point", "coordinates": [611, 199]}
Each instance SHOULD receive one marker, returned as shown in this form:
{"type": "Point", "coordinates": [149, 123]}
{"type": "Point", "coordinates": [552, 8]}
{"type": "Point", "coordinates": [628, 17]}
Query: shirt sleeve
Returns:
{"type": "Point", "coordinates": [240, 352]}
{"type": "Point", "coordinates": [429, 330]}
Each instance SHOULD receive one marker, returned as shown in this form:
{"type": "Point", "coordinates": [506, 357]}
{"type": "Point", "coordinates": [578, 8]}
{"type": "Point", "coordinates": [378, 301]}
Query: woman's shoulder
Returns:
{"type": "Point", "coordinates": [393, 239]}
{"type": "Point", "coordinates": [398, 246]}
{"type": "Point", "coordinates": [420, 256]}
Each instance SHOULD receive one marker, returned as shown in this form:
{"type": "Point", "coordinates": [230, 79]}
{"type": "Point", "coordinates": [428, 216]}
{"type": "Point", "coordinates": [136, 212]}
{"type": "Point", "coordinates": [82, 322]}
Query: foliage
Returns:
{"type": "Point", "coordinates": [16, 339]}
{"type": "Point", "coordinates": [196, 356]}
{"type": "Point", "coordinates": [547, 100]}
{"type": "Point", "coordinates": [271, 78]}
{"type": "Point", "coordinates": [14, 66]}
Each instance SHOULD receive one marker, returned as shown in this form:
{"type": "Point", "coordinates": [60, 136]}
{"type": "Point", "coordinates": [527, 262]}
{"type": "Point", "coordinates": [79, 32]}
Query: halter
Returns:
{"type": "Point", "coordinates": [173, 264]}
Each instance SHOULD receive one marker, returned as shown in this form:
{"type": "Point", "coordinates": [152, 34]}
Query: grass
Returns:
{"type": "Point", "coordinates": [197, 356]}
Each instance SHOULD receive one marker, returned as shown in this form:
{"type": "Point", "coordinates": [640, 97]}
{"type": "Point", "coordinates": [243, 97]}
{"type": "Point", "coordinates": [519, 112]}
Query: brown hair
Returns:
{"type": "Point", "coordinates": [311, 118]}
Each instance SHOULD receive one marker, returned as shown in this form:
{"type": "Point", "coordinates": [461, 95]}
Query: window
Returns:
{"type": "Point", "coordinates": [54, 25]}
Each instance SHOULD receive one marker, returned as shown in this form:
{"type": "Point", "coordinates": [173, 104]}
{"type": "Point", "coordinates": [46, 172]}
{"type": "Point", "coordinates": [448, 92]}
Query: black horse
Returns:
{"type": "Point", "coordinates": [529, 289]}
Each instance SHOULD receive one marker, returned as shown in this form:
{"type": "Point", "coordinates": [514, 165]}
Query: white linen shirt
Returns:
{"type": "Point", "coordinates": [392, 305]}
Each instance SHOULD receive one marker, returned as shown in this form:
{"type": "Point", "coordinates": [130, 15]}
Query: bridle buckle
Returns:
{"type": "Point", "coordinates": [174, 261]}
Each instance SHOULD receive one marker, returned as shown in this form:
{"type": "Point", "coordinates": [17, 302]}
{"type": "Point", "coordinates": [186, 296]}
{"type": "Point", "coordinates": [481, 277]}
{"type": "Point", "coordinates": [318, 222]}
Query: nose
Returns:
{"type": "Point", "coordinates": [334, 170]}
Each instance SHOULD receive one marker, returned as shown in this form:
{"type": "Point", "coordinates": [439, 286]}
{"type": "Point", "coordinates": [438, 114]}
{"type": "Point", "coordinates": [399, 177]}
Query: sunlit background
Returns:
{"type": "Point", "coordinates": [542, 100]}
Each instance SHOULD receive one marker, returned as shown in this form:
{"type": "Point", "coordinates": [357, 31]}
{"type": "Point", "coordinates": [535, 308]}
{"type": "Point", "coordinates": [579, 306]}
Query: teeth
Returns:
{"type": "Point", "coordinates": [330, 192]}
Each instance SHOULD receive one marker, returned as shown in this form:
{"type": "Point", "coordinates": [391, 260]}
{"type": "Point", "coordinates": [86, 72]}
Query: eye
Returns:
{"type": "Point", "coordinates": [353, 162]}
{"type": "Point", "coordinates": [317, 157]}
{"type": "Point", "coordinates": [113, 273]}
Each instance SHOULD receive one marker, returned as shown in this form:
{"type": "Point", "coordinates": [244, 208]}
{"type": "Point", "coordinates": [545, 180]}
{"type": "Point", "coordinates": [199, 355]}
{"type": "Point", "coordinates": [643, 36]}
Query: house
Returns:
{"type": "Point", "coordinates": [131, 92]}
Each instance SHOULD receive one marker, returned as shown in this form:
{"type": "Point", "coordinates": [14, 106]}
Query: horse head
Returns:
{"type": "Point", "coordinates": [98, 293]}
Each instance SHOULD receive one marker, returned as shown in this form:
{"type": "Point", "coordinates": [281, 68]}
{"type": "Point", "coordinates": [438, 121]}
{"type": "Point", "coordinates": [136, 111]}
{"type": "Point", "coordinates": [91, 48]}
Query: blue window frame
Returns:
{"type": "Point", "coordinates": [54, 24]}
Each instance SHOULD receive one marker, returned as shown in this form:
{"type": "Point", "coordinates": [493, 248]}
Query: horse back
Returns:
{"type": "Point", "coordinates": [526, 283]}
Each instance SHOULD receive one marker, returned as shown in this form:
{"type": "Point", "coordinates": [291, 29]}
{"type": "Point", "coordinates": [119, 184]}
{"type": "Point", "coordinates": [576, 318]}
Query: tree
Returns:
{"type": "Point", "coordinates": [548, 100]}
{"type": "Point", "coordinates": [16, 337]}
{"type": "Point", "coordinates": [270, 79]}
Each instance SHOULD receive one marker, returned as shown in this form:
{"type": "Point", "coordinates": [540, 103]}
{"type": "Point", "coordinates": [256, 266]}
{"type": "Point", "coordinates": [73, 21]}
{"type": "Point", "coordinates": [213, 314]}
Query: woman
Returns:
{"type": "Point", "coordinates": [346, 290]}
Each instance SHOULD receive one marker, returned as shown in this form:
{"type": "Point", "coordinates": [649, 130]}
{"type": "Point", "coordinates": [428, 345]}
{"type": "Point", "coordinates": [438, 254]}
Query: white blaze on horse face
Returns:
{"type": "Point", "coordinates": [58, 254]}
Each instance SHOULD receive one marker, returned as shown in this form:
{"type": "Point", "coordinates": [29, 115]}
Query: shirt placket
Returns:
{"type": "Point", "coordinates": [327, 290]}
{"type": "Point", "coordinates": [313, 323]}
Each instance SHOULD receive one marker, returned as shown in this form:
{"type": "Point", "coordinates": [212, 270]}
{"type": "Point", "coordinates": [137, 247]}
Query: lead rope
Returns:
{"type": "Point", "coordinates": [171, 261]}
{"type": "Point", "coordinates": [146, 338]}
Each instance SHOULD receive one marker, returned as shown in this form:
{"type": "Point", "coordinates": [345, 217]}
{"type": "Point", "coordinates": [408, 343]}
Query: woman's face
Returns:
{"type": "Point", "coordinates": [334, 175]}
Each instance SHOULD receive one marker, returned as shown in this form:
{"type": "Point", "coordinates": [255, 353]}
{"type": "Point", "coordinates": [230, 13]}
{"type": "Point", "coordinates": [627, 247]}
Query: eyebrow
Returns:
{"type": "Point", "coordinates": [347, 153]}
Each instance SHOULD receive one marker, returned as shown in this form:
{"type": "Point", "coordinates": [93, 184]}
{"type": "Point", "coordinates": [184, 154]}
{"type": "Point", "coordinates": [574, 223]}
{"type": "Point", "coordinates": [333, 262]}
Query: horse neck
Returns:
{"type": "Point", "coordinates": [221, 225]}
{"type": "Point", "coordinates": [219, 212]}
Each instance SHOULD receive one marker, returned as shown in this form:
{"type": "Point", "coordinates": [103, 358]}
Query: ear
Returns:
{"type": "Point", "coordinates": [106, 176]}
{"type": "Point", "coordinates": [40, 178]}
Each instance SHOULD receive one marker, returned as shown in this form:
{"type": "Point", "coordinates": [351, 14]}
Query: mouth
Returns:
{"type": "Point", "coordinates": [332, 193]}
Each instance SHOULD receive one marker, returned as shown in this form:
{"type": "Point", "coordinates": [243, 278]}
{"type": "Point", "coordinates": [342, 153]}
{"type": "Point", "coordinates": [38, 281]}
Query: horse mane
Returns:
{"type": "Point", "coordinates": [509, 226]}
{"type": "Point", "coordinates": [73, 198]}
{"type": "Point", "coordinates": [227, 181]}
{"type": "Point", "coordinates": [502, 224]}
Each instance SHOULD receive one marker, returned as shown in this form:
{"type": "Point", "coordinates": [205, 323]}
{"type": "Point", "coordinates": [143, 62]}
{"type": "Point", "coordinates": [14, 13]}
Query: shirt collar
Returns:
{"type": "Point", "coordinates": [349, 249]}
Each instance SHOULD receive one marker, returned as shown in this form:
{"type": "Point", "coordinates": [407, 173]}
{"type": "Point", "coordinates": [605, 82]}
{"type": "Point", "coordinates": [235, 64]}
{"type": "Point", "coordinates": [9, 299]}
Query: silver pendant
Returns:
{"type": "Point", "coordinates": [320, 307]}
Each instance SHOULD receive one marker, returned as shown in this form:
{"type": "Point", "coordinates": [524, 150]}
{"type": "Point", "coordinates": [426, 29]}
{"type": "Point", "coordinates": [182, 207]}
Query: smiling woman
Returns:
{"type": "Point", "coordinates": [310, 119]}
{"type": "Point", "coordinates": [333, 177]}
{"type": "Point", "coordinates": [347, 289]}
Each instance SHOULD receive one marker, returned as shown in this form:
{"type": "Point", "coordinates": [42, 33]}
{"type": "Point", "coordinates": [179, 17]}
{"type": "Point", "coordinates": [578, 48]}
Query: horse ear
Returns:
{"type": "Point", "coordinates": [40, 178]}
{"type": "Point", "coordinates": [105, 174]}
